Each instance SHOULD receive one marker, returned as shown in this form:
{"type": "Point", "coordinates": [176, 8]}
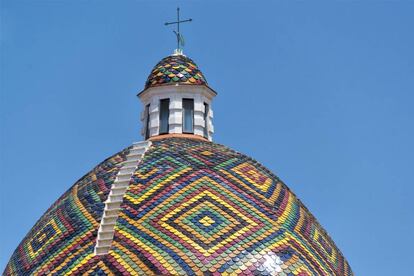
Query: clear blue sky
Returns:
{"type": "Point", "coordinates": [321, 93]}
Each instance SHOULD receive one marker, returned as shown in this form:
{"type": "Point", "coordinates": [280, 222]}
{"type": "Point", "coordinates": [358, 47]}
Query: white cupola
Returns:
{"type": "Point", "coordinates": [177, 100]}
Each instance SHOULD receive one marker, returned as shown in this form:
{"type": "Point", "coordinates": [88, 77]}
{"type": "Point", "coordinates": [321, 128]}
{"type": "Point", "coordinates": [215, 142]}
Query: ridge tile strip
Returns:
{"type": "Point", "coordinates": [113, 202]}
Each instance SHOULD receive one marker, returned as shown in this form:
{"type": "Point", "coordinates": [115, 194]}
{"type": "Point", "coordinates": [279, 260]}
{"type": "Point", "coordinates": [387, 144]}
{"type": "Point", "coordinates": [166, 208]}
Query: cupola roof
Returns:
{"type": "Point", "coordinates": [175, 69]}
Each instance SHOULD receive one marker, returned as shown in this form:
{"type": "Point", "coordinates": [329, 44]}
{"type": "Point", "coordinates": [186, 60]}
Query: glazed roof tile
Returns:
{"type": "Point", "coordinates": [192, 207]}
{"type": "Point", "coordinates": [175, 69]}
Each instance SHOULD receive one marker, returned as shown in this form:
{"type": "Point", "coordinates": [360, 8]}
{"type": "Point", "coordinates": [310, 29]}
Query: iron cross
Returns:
{"type": "Point", "coordinates": [180, 40]}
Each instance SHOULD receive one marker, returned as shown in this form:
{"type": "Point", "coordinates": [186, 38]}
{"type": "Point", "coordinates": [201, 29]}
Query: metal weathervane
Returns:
{"type": "Point", "coordinates": [180, 38]}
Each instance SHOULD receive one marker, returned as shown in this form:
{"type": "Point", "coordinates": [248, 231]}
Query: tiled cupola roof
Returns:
{"type": "Point", "coordinates": [175, 69]}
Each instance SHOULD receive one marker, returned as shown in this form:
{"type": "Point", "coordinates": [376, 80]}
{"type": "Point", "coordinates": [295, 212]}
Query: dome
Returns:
{"type": "Point", "coordinates": [174, 69]}
{"type": "Point", "coordinates": [192, 207]}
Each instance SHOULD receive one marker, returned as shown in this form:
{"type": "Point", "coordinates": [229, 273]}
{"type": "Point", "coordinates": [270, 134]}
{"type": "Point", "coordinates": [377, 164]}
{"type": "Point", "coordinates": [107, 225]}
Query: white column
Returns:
{"type": "Point", "coordinates": [210, 123]}
{"type": "Point", "coordinates": [154, 112]}
{"type": "Point", "coordinates": [176, 118]}
{"type": "Point", "coordinates": [198, 116]}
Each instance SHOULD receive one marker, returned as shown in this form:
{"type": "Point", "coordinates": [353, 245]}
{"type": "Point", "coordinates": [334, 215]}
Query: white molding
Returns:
{"type": "Point", "coordinates": [164, 90]}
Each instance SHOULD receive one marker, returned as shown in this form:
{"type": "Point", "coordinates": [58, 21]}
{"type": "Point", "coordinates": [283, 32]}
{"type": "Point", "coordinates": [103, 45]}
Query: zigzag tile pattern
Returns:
{"type": "Point", "coordinates": [195, 207]}
{"type": "Point", "coordinates": [175, 69]}
{"type": "Point", "coordinates": [65, 235]}
{"type": "Point", "coordinates": [192, 208]}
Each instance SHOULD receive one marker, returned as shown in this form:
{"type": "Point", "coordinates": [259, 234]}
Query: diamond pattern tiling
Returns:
{"type": "Point", "coordinates": [192, 208]}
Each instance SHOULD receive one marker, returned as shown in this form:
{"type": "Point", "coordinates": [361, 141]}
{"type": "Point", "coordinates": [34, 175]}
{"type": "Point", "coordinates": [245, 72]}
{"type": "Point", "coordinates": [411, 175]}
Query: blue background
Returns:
{"type": "Point", "coordinates": [321, 93]}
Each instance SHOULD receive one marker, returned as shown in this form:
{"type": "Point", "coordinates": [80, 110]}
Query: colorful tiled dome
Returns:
{"type": "Point", "coordinates": [175, 69]}
{"type": "Point", "coordinates": [192, 207]}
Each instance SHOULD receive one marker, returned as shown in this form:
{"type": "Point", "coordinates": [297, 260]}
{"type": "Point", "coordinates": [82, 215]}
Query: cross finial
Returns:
{"type": "Point", "coordinates": [180, 38]}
